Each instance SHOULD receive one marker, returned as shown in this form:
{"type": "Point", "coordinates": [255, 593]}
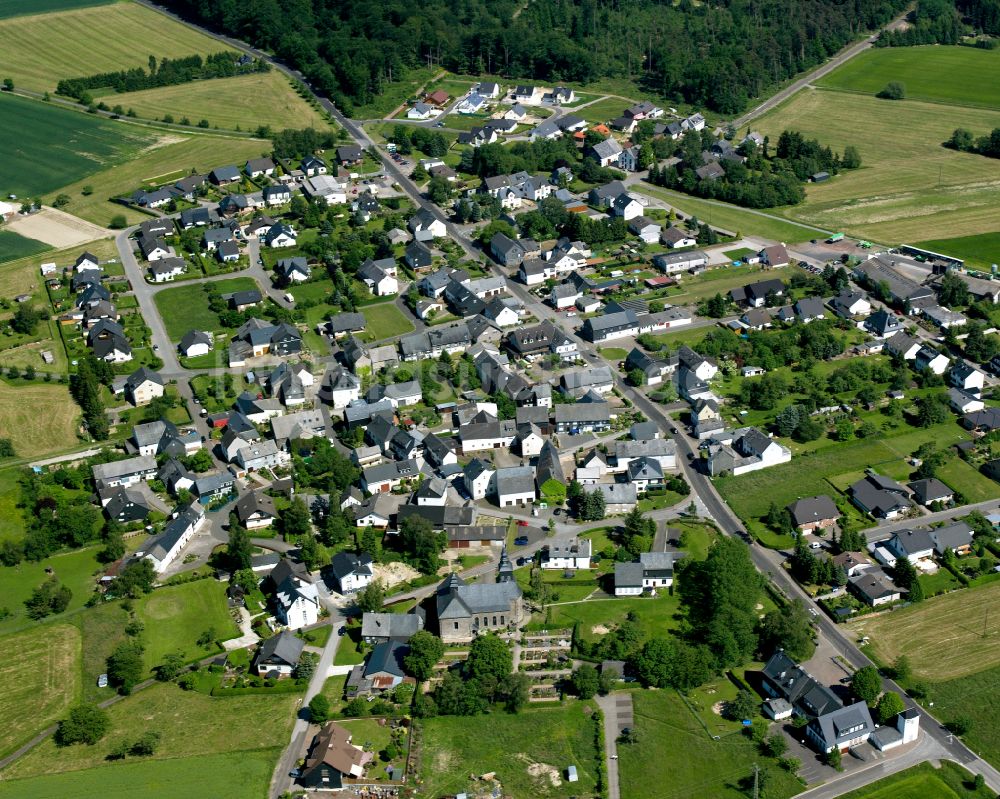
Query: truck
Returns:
{"type": "Point", "coordinates": [835, 238]}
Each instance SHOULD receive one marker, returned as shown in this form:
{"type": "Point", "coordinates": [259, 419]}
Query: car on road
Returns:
{"type": "Point", "coordinates": [156, 348]}
{"type": "Point", "coordinates": [521, 541]}
{"type": "Point", "coordinates": [522, 523]}
{"type": "Point", "coordinates": [342, 631]}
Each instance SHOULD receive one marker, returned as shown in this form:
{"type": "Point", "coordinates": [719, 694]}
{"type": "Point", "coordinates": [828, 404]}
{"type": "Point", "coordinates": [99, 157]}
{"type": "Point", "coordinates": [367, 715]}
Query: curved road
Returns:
{"type": "Point", "coordinates": [768, 562]}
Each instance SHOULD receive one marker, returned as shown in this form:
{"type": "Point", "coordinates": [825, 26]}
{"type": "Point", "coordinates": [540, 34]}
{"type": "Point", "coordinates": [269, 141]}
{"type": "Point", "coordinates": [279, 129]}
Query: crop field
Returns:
{"type": "Point", "coordinates": [982, 250]}
{"type": "Point", "coordinates": [232, 776]}
{"type": "Point", "coordinates": [817, 472]}
{"type": "Point", "coordinates": [949, 781]}
{"type": "Point", "coordinates": [190, 723]}
{"type": "Point", "coordinates": [528, 751]}
{"type": "Point", "coordinates": [672, 741]}
{"type": "Point", "coordinates": [746, 221]}
{"type": "Point", "coordinates": [242, 102]}
{"type": "Point", "coordinates": [62, 146]}
{"type": "Point", "coordinates": [909, 187]}
{"type": "Point", "coordinates": [33, 434]}
{"type": "Point", "coordinates": [40, 680]}
{"type": "Point", "coordinates": [41, 50]}
{"type": "Point", "coordinates": [14, 246]}
{"type": "Point", "coordinates": [17, 8]}
{"type": "Point", "coordinates": [965, 76]}
{"type": "Point", "coordinates": [177, 615]}
{"type": "Point", "coordinates": [946, 637]}
{"type": "Point", "coordinates": [169, 157]}
{"type": "Point", "coordinates": [186, 307]}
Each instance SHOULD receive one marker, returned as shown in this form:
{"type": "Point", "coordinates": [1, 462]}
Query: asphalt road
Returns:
{"type": "Point", "coordinates": [767, 561]}
{"type": "Point", "coordinates": [796, 86]}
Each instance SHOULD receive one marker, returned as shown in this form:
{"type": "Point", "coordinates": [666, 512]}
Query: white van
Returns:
{"type": "Point", "coordinates": [290, 299]}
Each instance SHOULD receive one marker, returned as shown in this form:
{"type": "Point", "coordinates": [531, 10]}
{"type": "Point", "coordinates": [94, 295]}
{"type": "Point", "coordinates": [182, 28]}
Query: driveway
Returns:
{"type": "Point", "coordinates": [617, 710]}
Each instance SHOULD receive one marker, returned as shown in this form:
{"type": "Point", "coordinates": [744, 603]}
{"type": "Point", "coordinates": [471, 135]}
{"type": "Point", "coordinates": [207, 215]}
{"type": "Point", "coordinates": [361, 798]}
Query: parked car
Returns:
{"type": "Point", "coordinates": [521, 541]}
{"type": "Point", "coordinates": [521, 523]}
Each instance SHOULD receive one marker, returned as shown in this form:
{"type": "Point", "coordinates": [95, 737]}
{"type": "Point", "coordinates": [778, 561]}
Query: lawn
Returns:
{"type": "Point", "coordinates": [74, 569]}
{"type": "Point", "coordinates": [62, 145]}
{"type": "Point", "coordinates": [982, 250]}
{"type": "Point", "coordinates": [189, 723]}
{"type": "Point", "coordinates": [976, 698]}
{"type": "Point", "coordinates": [385, 320]}
{"type": "Point", "coordinates": [974, 485]}
{"type": "Point", "coordinates": [243, 102]}
{"type": "Point", "coordinates": [168, 158]}
{"type": "Point", "coordinates": [656, 615]}
{"type": "Point", "coordinates": [731, 217]}
{"type": "Point", "coordinates": [186, 308]}
{"type": "Point", "coordinates": [176, 616]}
{"type": "Point", "coordinates": [14, 246]}
{"type": "Point", "coordinates": [232, 776]}
{"type": "Point", "coordinates": [696, 538]}
{"type": "Point", "coordinates": [671, 740]}
{"type": "Point", "coordinates": [41, 50]}
{"type": "Point", "coordinates": [948, 781]}
{"type": "Point", "coordinates": [16, 8]}
{"type": "Point", "coordinates": [11, 523]}
{"type": "Point", "coordinates": [509, 745]}
{"type": "Point", "coordinates": [613, 353]}
{"type": "Point", "coordinates": [603, 111]}
{"type": "Point", "coordinates": [815, 472]}
{"type": "Point", "coordinates": [40, 681]}
{"type": "Point", "coordinates": [351, 650]}
{"type": "Point", "coordinates": [738, 254]}
{"type": "Point", "coordinates": [575, 589]}
{"type": "Point", "coordinates": [962, 76]}
{"type": "Point", "coordinates": [33, 434]}
{"type": "Point", "coordinates": [946, 637]}
{"type": "Point", "coordinates": [909, 186]}
{"type": "Point", "coordinates": [102, 628]}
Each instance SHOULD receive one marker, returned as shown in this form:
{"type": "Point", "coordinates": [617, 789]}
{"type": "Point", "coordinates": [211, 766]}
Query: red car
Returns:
{"type": "Point", "coordinates": [522, 524]}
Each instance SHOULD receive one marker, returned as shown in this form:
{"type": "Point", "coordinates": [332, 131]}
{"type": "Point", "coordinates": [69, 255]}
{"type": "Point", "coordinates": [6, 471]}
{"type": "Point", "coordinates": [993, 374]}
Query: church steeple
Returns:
{"type": "Point", "coordinates": [505, 571]}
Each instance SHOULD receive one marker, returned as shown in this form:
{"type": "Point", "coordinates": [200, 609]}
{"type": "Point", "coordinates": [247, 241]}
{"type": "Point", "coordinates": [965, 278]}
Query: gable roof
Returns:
{"type": "Point", "coordinates": [285, 646]}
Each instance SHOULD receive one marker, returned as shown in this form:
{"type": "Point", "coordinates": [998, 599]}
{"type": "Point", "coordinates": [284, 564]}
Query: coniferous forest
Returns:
{"type": "Point", "coordinates": [716, 54]}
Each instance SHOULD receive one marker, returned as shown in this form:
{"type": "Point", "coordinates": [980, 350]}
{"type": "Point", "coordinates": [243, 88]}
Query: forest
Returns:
{"type": "Point", "coordinates": [711, 55]}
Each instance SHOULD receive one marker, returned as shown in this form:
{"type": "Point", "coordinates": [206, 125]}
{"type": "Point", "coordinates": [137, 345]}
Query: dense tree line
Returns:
{"type": "Point", "coordinates": [292, 143]}
{"type": "Point", "coordinates": [983, 15]}
{"type": "Point", "coordinates": [933, 22]}
{"type": "Point", "coordinates": [965, 142]}
{"type": "Point", "coordinates": [168, 72]}
{"type": "Point", "coordinates": [763, 180]}
{"type": "Point", "coordinates": [85, 386]}
{"type": "Point", "coordinates": [710, 55]}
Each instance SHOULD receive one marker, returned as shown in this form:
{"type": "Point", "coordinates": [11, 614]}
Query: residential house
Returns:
{"type": "Point", "coordinates": [379, 276]}
{"type": "Point", "coordinates": [571, 554]}
{"type": "Point", "coordinates": [880, 496]}
{"type": "Point", "coordinates": [332, 757]}
{"type": "Point", "coordinates": [932, 360]}
{"type": "Point", "coordinates": [280, 235]}
{"type": "Point", "coordinates": [326, 188]}
{"type": "Point", "coordinates": [279, 655]}
{"type": "Point", "coordinates": [775, 256]}
{"type": "Point", "coordinates": [380, 628]}
{"type": "Point", "coordinates": [884, 324]}
{"type": "Point", "coordinates": [677, 238]}
{"type": "Point", "coordinates": [143, 386]}
{"type": "Point", "coordinates": [352, 572]}
{"type": "Point", "coordinates": [646, 229]}
{"type": "Point", "coordinates": [167, 269]}
{"type": "Point", "coordinates": [162, 549]}
{"type": "Point", "coordinates": [257, 167]}
{"type": "Point", "coordinates": [956, 537]}
{"type": "Point", "coordinates": [293, 270]}
{"type": "Point", "coordinates": [814, 513]}
{"type": "Point", "coordinates": [843, 728]}
{"type": "Point", "coordinates": [296, 599]}
{"type": "Point", "coordinates": [966, 377]}
{"type": "Point", "coordinates": [606, 152]}
{"type": "Point", "coordinates": [255, 510]}
{"type": "Point", "coordinates": [914, 545]}
{"type": "Point", "coordinates": [652, 571]}
{"type": "Point", "coordinates": [582, 417]}
{"type": "Point", "coordinates": [124, 473]}
{"type": "Point", "coordinates": [744, 450]}
{"type": "Point", "coordinates": [425, 226]}
{"type": "Point", "coordinates": [851, 304]}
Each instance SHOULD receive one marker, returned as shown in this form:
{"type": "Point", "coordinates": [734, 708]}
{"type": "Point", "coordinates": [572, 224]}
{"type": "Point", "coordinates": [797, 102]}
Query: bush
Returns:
{"type": "Point", "coordinates": [85, 724]}
{"type": "Point", "coordinates": [894, 90]}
